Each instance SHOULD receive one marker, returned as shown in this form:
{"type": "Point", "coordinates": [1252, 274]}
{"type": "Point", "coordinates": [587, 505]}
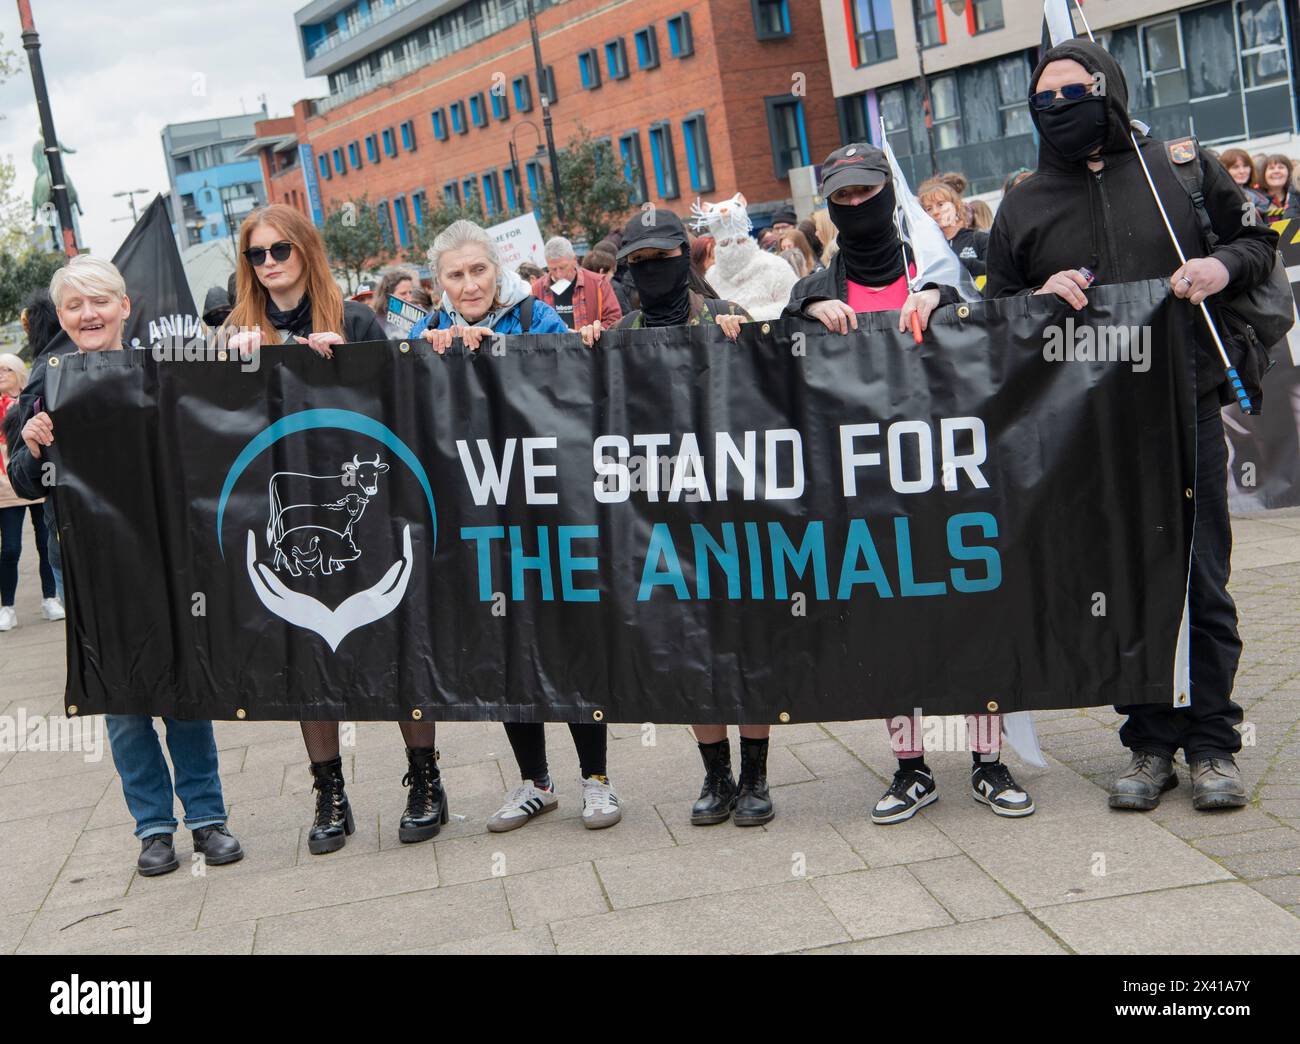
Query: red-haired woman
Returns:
{"type": "Point", "coordinates": [284, 292]}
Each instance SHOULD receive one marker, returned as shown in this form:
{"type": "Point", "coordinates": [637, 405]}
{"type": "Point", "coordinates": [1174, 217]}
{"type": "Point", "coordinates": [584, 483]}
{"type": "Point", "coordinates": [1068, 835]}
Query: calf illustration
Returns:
{"type": "Point", "coordinates": [305, 511]}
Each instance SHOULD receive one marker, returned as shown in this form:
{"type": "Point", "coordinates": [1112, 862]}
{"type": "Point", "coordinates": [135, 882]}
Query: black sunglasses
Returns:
{"type": "Point", "coordinates": [279, 251]}
{"type": "Point", "coordinates": [1071, 92]}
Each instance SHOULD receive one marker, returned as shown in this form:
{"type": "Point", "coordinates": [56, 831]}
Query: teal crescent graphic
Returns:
{"type": "Point", "coordinates": [347, 420]}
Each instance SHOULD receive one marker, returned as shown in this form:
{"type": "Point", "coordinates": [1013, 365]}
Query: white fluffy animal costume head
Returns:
{"type": "Point", "coordinates": [757, 281]}
{"type": "Point", "coordinates": [728, 223]}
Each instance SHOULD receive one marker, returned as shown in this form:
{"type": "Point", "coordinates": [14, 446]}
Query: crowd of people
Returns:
{"type": "Point", "coordinates": [844, 261]}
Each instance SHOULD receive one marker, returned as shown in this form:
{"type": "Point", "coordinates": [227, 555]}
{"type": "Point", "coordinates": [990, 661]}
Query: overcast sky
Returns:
{"type": "Point", "coordinates": [118, 72]}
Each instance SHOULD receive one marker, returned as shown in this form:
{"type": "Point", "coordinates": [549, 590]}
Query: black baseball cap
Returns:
{"type": "Point", "coordinates": [658, 228]}
{"type": "Point", "coordinates": [856, 164]}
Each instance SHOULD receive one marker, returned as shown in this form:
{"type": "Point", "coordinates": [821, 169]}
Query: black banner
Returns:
{"type": "Point", "coordinates": [802, 526]}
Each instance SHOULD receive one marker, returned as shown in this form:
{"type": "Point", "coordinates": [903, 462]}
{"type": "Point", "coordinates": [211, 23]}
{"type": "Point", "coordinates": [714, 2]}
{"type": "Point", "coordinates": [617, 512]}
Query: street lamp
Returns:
{"type": "Point", "coordinates": [544, 95]}
{"type": "Point", "coordinates": [514, 153]}
{"type": "Point", "coordinates": [130, 194]}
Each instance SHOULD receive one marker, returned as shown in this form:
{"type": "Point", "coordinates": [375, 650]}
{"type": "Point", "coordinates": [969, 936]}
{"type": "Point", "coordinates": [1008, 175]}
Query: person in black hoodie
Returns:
{"type": "Point", "coordinates": [284, 292]}
{"type": "Point", "coordinates": [1088, 204]}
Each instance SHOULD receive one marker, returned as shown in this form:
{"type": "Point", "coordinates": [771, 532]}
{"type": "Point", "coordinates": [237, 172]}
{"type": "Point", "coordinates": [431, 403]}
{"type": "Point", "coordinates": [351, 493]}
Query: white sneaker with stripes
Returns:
{"type": "Point", "coordinates": [522, 804]}
{"type": "Point", "coordinates": [600, 807]}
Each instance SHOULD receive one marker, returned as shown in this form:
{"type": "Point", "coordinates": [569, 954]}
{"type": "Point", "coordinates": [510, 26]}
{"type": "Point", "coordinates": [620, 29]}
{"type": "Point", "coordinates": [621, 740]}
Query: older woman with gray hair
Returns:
{"type": "Point", "coordinates": [480, 296]}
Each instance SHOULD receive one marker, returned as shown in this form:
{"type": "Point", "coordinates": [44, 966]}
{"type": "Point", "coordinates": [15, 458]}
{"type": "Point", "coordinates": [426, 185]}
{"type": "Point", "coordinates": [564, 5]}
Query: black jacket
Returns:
{"type": "Point", "coordinates": [1066, 216]}
{"type": "Point", "coordinates": [971, 246]}
{"type": "Point", "coordinates": [832, 284]}
{"type": "Point", "coordinates": [359, 324]}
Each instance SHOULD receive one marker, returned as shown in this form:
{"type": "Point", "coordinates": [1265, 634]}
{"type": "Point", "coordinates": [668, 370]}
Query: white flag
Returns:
{"type": "Point", "coordinates": [1058, 20]}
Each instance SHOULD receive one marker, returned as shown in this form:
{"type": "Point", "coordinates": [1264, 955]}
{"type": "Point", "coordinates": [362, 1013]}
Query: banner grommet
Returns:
{"type": "Point", "coordinates": [240, 713]}
{"type": "Point", "coordinates": [784, 717]}
{"type": "Point", "coordinates": [767, 328]}
{"type": "Point", "coordinates": [54, 360]}
{"type": "Point", "coordinates": [222, 356]}
{"type": "Point", "coordinates": [598, 715]}
{"type": "Point", "coordinates": [417, 714]}
{"type": "Point", "coordinates": [404, 347]}
{"type": "Point", "coordinates": [993, 706]}
{"type": "Point", "coordinates": [1189, 494]}
{"type": "Point", "coordinates": [72, 711]}
{"type": "Point", "coordinates": [963, 311]}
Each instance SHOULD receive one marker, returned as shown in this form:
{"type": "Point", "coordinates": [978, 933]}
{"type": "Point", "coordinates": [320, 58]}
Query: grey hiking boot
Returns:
{"type": "Point", "coordinates": [1216, 783]}
{"type": "Point", "coordinates": [1140, 785]}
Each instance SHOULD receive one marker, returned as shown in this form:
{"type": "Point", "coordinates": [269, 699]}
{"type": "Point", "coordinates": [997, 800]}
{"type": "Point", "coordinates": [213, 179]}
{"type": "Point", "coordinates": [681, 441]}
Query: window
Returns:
{"type": "Point", "coordinates": [985, 15]}
{"type": "Point", "coordinates": [399, 215]}
{"type": "Point", "coordinates": [1161, 51]}
{"type": "Point", "coordinates": [536, 179]}
{"type": "Point", "coordinates": [893, 110]}
{"type": "Point", "coordinates": [548, 84]}
{"type": "Point", "coordinates": [500, 104]}
{"type": "Point", "coordinates": [408, 135]}
{"type": "Point", "coordinates": [372, 148]}
{"type": "Point", "coordinates": [523, 92]}
{"type": "Point", "coordinates": [323, 161]}
{"type": "Point", "coordinates": [491, 193]}
{"type": "Point", "coordinates": [771, 18]}
{"type": "Point", "coordinates": [664, 160]}
{"type": "Point", "coordinates": [853, 118]}
{"type": "Point", "coordinates": [418, 206]}
{"type": "Point", "coordinates": [785, 124]}
{"type": "Point", "coordinates": [385, 221]}
{"type": "Point", "coordinates": [1013, 88]}
{"type": "Point", "coordinates": [458, 117]}
{"type": "Point", "coordinates": [478, 110]}
{"type": "Point", "coordinates": [1262, 41]}
{"type": "Point", "coordinates": [946, 111]}
{"type": "Point", "coordinates": [389, 142]}
{"type": "Point", "coordinates": [929, 22]}
{"type": "Point", "coordinates": [695, 139]}
{"type": "Point", "coordinates": [340, 163]}
{"type": "Point", "coordinates": [873, 31]}
{"type": "Point", "coordinates": [451, 193]}
{"type": "Point", "coordinates": [439, 120]}
{"type": "Point", "coordinates": [513, 201]}
{"type": "Point", "coordinates": [589, 70]}
{"type": "Point", "coordinates": [681, 44]}
{"type": "Point", "coordinates": [616, 59]}
{"type": "Point", "coordinates": [647, 48]}
{"type": "Point", "coordinates": [469, 190]}
{"type": "Point", "coordinates": [354, 155]}
{"type": "Point", "coordinates": [629, 148]}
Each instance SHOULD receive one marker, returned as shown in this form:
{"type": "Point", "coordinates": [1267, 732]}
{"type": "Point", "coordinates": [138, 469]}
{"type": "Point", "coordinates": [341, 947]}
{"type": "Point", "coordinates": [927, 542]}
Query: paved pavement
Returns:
{"type": "Point", "coordinates": [1074, 877]}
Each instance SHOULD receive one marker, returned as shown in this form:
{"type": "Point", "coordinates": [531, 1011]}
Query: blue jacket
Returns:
{"type": "Point", "coordinates": [545, 320]}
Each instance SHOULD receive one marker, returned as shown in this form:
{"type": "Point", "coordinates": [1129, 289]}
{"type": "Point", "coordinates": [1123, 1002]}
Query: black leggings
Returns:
{"type": "Point", "coordinates": [528, 740]}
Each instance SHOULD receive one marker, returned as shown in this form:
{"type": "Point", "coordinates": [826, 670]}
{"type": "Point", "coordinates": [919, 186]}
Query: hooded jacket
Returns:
{"type": "Point", "coordinates": [504, 318]}
{"type": "Point", "coordinates": [1066, 216]}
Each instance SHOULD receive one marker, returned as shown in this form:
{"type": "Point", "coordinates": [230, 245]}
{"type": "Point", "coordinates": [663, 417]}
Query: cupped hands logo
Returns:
{"type": "Point", "coordinates": [313, 529]}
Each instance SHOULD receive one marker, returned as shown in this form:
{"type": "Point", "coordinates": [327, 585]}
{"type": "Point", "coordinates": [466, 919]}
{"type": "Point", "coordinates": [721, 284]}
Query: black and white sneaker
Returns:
{"type": "Point", "coordinates": [911, 791]}
{"type": "Point", "coordinates": [992, 784]}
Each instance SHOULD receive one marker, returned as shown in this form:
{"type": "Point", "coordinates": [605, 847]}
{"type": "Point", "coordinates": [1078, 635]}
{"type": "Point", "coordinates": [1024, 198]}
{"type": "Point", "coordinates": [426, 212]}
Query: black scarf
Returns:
{"type": "Point", "coordinates": [297, 320]}
{"type": "Point", "coordinates": [868, 240]}
{"type": "Point", "coordinates": [663, 284]}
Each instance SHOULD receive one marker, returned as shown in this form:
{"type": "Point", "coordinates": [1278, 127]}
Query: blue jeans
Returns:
{"type": "Point", "coordinates": [53, 550]}
{"type": "Point", "coordinates": [11, 548]}
{"type": "Point", "coordinates": [146, 783]}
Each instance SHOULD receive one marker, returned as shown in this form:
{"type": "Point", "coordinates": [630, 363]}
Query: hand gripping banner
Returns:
{"type": "Point", "coordinates": [801, 526]}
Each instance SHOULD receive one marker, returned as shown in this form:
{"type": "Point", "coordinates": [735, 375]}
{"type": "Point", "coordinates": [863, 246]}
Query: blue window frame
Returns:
{"type": "Point", "coordinates": [478, 110]}
{"type": "Point", "coordinates": [389, 142]}
{"type": "Point", "coordinates": [772, 18]}
{"type": "Point", "coordinates": [385, 216]}
{"type": "Point", "coordinates": [469, 189]}
{"type": "Point", "coordinates": [399, 217]}
{"type": "Point", "coordinates": [323, 161]}
{"type": "Point", "coordinates": [512, 189]}
{"type": "Point", "coordinates": [664, 160]}
{"type": "Point", "coordinates": [589, 70]}
{"type": "Point", "coordinates": [491, 193]}
{"type": "Point", "coordinates": [785, 124]}
{"type": "Point", "coordinates": [372, 148]}
{"type": "Point", "coordinates": [647, 47]}
{"type": "Point", "coordinates": [439, 120]}
{"type": "Point", "coordinates": [533, 172]}
{"type": "Point", "coordinates": [407, 130]}
{"type": "Point", "coordinates": [418, 206]}
{"type": "Point", "coordinates": [458, 117]}
{"type": "Point", "coordinates": [681, 44]}
{"type": "Point", "coordinates": [695, 139]}
{"type": "Point", "coordinates": [451, 193]}
{"type": "Point", "coordinates": [340, 162]}
{"type": "Point", "coordinates": [500, 103]}
{"type": "Point", "coordinates": [616, 58]}
{"type": "Point", "coordinates": [629, 148]}
{"type": "Point", "coordinates": [523, 91]}
{"type": "Point", "coordinates": [354, 155]}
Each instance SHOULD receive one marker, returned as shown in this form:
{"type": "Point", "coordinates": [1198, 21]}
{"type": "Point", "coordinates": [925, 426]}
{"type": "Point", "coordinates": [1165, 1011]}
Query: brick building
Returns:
{"type": "Point", "coordinates": [700, 98]}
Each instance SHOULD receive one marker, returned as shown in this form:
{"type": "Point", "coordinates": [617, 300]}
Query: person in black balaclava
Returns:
{"type": "Point", "coordinates": [658, 253]}
{"type": "Point", "coordinates": [866, 274]}
{"type": "Point", "coordinates": [1089, 205]}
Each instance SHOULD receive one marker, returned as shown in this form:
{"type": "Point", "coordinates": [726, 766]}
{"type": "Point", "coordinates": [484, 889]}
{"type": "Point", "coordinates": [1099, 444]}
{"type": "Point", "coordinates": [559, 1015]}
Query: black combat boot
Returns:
{"type": "Point", "coordinates": [718, 796]}
{"type": "Point", "coordinates": [333, 822]}
{"type": "Point", "coordinates": [426, 804]}
{"type": "Point", "coordinates": [753, 805]}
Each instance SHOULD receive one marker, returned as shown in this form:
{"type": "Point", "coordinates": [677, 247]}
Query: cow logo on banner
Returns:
{"type": "Point", "coordinates": [320, 563]}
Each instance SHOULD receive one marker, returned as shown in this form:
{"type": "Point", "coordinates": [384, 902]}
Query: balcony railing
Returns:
{"type": "Point", "coordinates": [506, 14]}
